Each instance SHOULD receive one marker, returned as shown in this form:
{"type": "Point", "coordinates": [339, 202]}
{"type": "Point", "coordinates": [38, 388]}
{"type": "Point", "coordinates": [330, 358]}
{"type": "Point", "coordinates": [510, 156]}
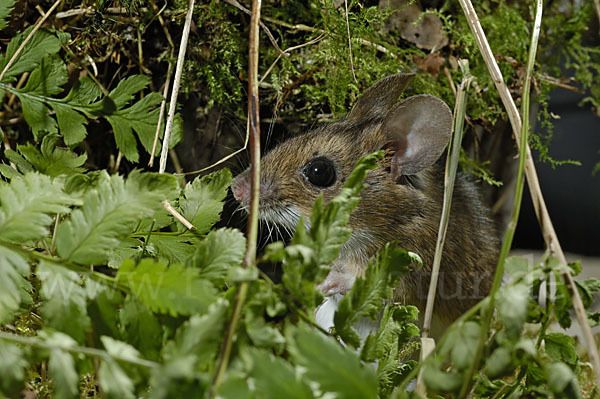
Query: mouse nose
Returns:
{"type": "Point", "coordinates": [241, 188]}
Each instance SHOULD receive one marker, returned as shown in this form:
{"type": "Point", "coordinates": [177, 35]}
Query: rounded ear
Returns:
{"type": "Point", "coordinates": [380, 97]}
{"type": "Point", "coordinates": [418, 130]}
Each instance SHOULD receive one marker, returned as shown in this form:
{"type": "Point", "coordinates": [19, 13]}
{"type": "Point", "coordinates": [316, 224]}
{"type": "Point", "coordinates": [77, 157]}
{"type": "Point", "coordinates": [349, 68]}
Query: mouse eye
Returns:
{"type": "Point", "coordinates": [320, 172]}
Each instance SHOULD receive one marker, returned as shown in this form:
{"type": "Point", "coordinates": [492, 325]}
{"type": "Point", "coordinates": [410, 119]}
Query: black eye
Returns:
{"type": "Point", "coordinates": [320, 172]}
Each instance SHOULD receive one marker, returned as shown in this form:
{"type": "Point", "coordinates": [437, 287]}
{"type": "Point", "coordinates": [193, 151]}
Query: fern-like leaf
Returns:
{"type": "Point", "coordinates": [109, 213]}
{"type": "Point", "coordinates": [14, 289]}
{"type": "Point", "coordinates": [26, 204]}
{"type": "Point", "coordinates": [220, 251]}
{"type": "Point", "coordinates": [174, 289]}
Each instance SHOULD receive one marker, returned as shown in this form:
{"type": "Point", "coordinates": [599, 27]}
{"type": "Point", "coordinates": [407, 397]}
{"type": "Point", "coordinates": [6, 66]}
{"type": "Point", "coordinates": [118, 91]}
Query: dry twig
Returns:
{"type": "Point", "coordinates": [539, 204]}
{"type": "Point", "coordinates": [176, 83]}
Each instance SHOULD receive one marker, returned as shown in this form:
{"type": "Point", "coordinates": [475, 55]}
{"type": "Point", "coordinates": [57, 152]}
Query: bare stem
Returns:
{"type": "Point", "coordinates": [37, 342]}
{"type": "Point", "coordinates": [254, 133]}
{"type": "Point", "coordinates": [176, 83]}
{"type": "Point", "coordinates": [543, 216]}
{"type": "Point", "coordinates": [450, 176]}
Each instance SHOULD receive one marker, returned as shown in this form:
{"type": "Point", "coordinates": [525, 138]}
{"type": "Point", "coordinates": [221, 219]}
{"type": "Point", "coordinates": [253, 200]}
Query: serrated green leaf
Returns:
{"type": "Point", "coordinates": [512, 305]}
{"type": "Point", "coordinates": [103, 308]}
{"type": "Point", "coordinates": [12, 368]}
{"type": "Point", "coordinates": [437, 380]}
{"type": "Point", "coordinates": [140, 328]}
{"type": "Point", "coordinates": [19, 161]}
{"type": "Point", "coordinates": [114, 381]}
{"type": "Point", "coordinates": [109, 213]}
{"type": "Point", "coordinates": [561, 348]}
{"type": "Point", "coordinates": [127, 88]}
{"type": "Point", "coordinates": [174, 289]}
{"type": "Point", "coordinates": [62, 370]}
{"type": "Point", "coordinates": [202, 200]}
{"type": "Point", "coordinates": [217, 253]}
{"type": "Point", "coordinates": [119, 349]}
{"type": "Point", "coordinates": [6, 7]}
{"type": "Point", "coordinates": [368, 294]}
{"type": "Point", "coordinates": [587, 288]}
{"type": "Point", "coordinates": [199, 338]}
{"type": "Point", "coordinates": [464, 345]}
{"type": "Point", "coordinates": [262, 334]}
{"type": "Point", "coordinates": [273, 377]}
{"type": "Point", "coordinates": [332, 367]}
{"type": "Point", "coordinates": [8, 172]}
{"type": "Point", "coordinates": [25, 205]}
{"type": "Point", "coordinates": [516, 266]}
{"type": "Point", "coordinates": [562, 303]}
{"type": "Point", "coordinates": [65, 306]}
{"type": "Point", "coordinates": [13, 286]}
{"type": "Point", "coordinates": [561, 380]}
{"type": "Point", "coordinates": [41, 44]}
{"type": "Point", "coordinates": [176, 248]}
{"type": "Point", "coordinates": [499, 362]}
{"type": "Point", "coordinates": [51, 160]}
{"type": "Point", "coordinates": [235, 386]}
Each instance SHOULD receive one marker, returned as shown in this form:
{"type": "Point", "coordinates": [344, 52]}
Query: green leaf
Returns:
{"type": "Point", "coordinates": [437, 380]}
{"type": "Point", "coordinates": [6, 7]}
{"type": "Point", "coordinates": [516, 266]}
{"type": "Point", "coordinates": [114, 381]}
{"type": "Point", "coordinates": [41, 44]}
{"type": "Point", "coordinates": [119, 349]}
{"type": "Point", "coordinates": [202, 200]}
{"type": "Point", "coordinates": [499, 362]}
{"type": "Point", "coordinates": [220, 251]}
{"type": "Point", "coordinates": [103, 308]}
{"type": "Point", "coordinates": [561, 348]}
{"type": "Point", "coordinates": [173, 247]}
{"type": "Point", "coordinates": [334, 368]}
{"type": "Point", "coordinates": [62, 366]}
{"type": "Point", "coordinates": [512, 305]}
{"type": "Point", "coordinates": [140, 328]}
{"type": "Point", "coordinates": [273, 377]}
{"type": "Point", "coordinates": [65, 307]}
{"type": "Point", "coordinates": [51, 160]}
{"type": "Point", "coordinates": [367, 295]}
{"type": "Point", "coordinates": [587, 288]}
{"type": "Point", "coordinates": [461, 344]}
{"type": "Point", "coordinates": [234, 386]}
{"type": "Point", "coordinates": [199, 338]}
{"type": "Point", "coordinates": [25, 205]}
{"type": "Point", "coordinates": [174, 289]}
{"type": "Point", "coordinates": [562, 303]}
{"type": "Point", "coordinates": [109, 213]}
{"type": "Point", "coordinates": [14, 289]}
{"type": "Point", "coordinates": [12, 368]}
{"type": "Point", "coordinates": [561, 380]}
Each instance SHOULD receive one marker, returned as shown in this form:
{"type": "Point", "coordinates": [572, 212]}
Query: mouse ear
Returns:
{"type": "Point", "coordinates": [418, 130]}
{"type": "Point", "coordinates": [380, 97]}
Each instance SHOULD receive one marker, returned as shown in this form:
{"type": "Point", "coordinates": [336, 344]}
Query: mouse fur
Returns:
{"type": "Point", "coordinates": [402, 199]}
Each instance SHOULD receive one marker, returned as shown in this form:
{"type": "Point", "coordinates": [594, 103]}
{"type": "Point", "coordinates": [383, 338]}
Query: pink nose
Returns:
{"type": "Point", "coordinates": [241, 188]}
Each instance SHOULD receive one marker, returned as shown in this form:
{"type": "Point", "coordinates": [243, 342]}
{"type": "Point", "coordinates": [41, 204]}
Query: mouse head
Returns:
{"type": "Point", "coordinates": [413, 132]}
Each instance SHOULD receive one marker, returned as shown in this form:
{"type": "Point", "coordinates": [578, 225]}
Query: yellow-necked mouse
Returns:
{"type": "Point", "coordinates": [402, 200]}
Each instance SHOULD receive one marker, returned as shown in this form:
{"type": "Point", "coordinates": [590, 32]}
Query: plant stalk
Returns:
{"type": "Point", "coordinates": [254, 133]}
{"type": "Point", "coordinates": [539, 204]}
{"type": "Point", "coordinates": [520, 184]}
{"type": "Point", "coordinates": [176, 84]}
{"type": "Point", "coordinates": [450, 176]}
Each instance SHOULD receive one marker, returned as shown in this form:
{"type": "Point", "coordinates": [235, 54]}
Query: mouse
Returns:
{"type": "Point", "coordinates": [402, 199]}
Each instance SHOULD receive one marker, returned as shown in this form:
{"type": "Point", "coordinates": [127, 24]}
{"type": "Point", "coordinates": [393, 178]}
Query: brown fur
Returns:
{"type": "Point", "coordinates": [408, 211]}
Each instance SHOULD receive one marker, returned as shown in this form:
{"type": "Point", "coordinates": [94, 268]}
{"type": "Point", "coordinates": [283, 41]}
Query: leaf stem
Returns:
{"type": "Point", "coordinates": [35, 341]}
{"type": "Point", "coordinates": [520, 184]}
{"type": "Point", "coordinates": [450, 176]}
{"type": "Point", "coordinates": [254, 133]}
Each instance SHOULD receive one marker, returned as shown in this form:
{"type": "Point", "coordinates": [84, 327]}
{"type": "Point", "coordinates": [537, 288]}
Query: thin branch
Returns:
{"type": "Point", "coordinates": [177, 215]}
{"type": "Point", "coordinates": [542, 214]}
{"type": "Point", "coordinates": [254, 129]}
{"type": "Point", "coordinates": [597, 7]}
{"type": "Point", "coordinates": [237, 5]}
{"type": "Point", "coordinates": [450, 176]}
{"type": "Point", "coordinates": [307, 28]}
{"type": "Point", "coordinates": [28, 38]}
{"type": "Point", "coordinates": [176, 83]}
{"type": "Point", "coordinates": [37, 342]}
{"type": "Point", "coordinates": [89, 11]}
{"type": "Point", "coordinates": [349, 42]}
{"type": "Point", "coordinates": [161, 114]}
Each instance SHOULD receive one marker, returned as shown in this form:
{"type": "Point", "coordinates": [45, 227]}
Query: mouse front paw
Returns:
{"type": "Point", "coordinates": [337, 283]}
